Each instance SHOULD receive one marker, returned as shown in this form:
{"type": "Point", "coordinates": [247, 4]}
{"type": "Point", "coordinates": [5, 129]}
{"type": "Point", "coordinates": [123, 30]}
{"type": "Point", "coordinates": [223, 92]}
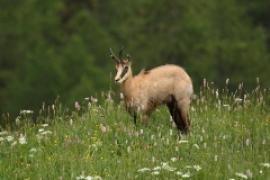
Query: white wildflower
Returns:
{"type": "Point", "coordinates": [186, 175]}
{"type": "Point", "coordinates": [238, 100]}
{"type": "Point", "coordinates": [22, 139]}
{"type": "Point", "coordinates": [128, 149]}
{"type": "Point", "coordinates": [71, 122]}
{"type": "Point", "coordinates": [44, 125]}
{"type": "Point", "coordinates": [9, 138]}
{"type": "Point", "coordinates": [179, 173]}
{"type": "Point", "coordinates": [258, 80]}
{"type": "Point", "coordinates": [93, 99]}
{"type": "Point", "coordinates": [103, 128]}
{"type": "Point", "coordinates": [217, 94]}
{"type": "Point", "coordinates": [3, 133]}
{"type": "Point", "coordinates": [155, 173]}
{"type": "Point", "coordinates": [267, 165]}
{"type": "Point", "coordinates": [121, 96]}
{"type": "Point", "coordinates": [173, 159]}
{"type": "Point", "coordinates": [77, 106]}
{"type": "Point", "coordinates": [227, 81]}
{"type": "Point", "coordinates": [153, 159]}
{"type": "Point", "coordinates": [201, 138]}
{"type": "Point", "coordinates": [144, 170]}
{"type": "Point", "coordinates": [26, 112]}
{"type": "Point", "coordinates": [2, 139]}
{"type": "Point", "coordinates": [82, 177]}
{"type": "Point", "coordinates": [164, 163]}
{"type": "Point", "coordinates": [247, 142]}
{"type": "Point", "coordinates": [17, 120]}
{"type": "Point", "coordinates": [171, 132]}
{"type": "Point", "coordinates": [216, 158]}
{"type": "Point", "coordinates": [46, 132]}
{"type": "Point", "coordinates": [241, 175]}
{"type": "Point", "coordinates": [249, 173]}
{"type": "Point", "coordinates": [40, 130]}
{"type": "Point", "coordinates": [196, 146]}
{"type": "Point", "coordinates": [204, 82]}
{"type": "Point", "coordinates": [203, 130]}
{"type": "Point", "coordinates": [197, 167]}
{"type": "Point", "coordinates": [240, 86]}
{"type": "Point", "coordinates": [171, 119]}
{"type": "Point", "coordinates": [167, 167]}
{"type": "Point", "coordinates": [157, 168]}
{"type": "Point", "coordinates": [182, 141]}
{"type": "Point", "coordinates": [33, 150]}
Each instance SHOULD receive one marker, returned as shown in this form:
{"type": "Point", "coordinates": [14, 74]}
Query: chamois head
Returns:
{"type": "Point", "coordinates": [122, 65]}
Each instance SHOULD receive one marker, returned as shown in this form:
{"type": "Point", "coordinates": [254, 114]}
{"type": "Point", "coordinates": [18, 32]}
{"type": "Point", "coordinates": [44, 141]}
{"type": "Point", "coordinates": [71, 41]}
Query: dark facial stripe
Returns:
{"type": "Point", "coordinates": [124, 71]}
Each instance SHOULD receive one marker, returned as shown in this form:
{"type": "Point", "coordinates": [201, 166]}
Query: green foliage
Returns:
{"type": "Point", "coordinates": [230, 137]}
{"type": "Point", "coordinates": [60, 48]}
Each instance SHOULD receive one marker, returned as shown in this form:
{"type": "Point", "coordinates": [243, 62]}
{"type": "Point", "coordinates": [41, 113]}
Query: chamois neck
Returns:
{"type": "Point", "coordinates": [126, 85]}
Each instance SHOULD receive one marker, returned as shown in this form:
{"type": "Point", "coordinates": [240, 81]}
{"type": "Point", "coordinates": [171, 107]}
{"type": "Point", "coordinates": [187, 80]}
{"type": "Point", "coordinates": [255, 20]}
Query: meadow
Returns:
{"type": "Point", "coordinates": [97, 139]}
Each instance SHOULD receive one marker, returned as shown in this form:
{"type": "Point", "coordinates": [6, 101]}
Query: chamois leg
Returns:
{"type": "Point", "coordinates": [183, 106]}
{"type": "Point", "coordinates": [134, 117]}
{"type": "Point", "coordinates": [172, 106]}
{"type": "Point", "coordinates": [178, 116]}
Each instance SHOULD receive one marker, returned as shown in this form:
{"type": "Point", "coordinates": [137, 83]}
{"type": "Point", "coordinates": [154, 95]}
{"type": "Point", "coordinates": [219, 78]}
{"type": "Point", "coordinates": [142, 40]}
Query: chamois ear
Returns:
{"type": "Point", "coordinates": [129, 59]}
{"type": "Point", "coordinates": [128, 56]}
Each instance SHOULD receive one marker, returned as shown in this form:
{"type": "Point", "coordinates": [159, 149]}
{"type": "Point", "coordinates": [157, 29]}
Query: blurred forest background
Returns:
{"type": "Point", "coordinates": [50, 48]}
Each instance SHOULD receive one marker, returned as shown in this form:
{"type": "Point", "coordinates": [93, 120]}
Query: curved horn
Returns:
{"type": "Point", "coordinates": [113, 56]}
{"type": "Point", "coordinates": [120, 55]}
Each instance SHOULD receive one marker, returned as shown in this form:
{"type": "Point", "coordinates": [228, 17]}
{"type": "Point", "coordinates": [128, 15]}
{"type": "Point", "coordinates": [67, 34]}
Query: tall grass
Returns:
{"type": "Point", "coordinates": [230, 139]}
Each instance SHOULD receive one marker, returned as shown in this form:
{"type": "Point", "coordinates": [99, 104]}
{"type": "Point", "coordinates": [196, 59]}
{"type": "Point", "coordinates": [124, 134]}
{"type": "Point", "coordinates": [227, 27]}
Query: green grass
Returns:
{"type": "Point", "coordinates": [227, 137]}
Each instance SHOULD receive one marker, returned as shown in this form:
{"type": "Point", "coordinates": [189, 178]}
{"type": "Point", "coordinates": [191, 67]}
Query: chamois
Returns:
{"type": "Point", "coordinates": [164, 85]}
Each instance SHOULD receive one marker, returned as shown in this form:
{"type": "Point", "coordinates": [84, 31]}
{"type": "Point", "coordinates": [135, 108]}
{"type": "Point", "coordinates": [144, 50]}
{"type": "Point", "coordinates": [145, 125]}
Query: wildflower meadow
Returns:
{"type": "Point", "coordinates": [97, 139]}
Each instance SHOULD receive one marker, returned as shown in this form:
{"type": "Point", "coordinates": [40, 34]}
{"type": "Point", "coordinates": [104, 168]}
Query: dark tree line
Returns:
{"type": "Point", "coordinates": [51, 48]}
